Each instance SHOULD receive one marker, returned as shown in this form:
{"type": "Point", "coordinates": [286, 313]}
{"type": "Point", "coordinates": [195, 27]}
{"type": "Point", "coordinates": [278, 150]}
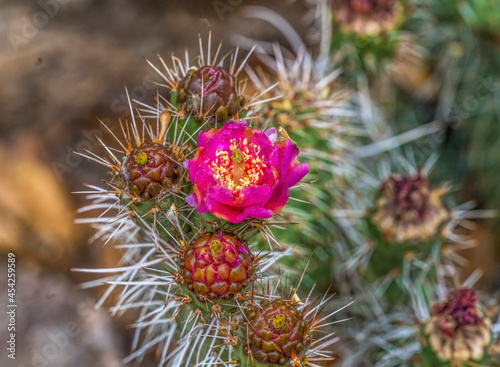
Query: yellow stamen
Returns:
{"type": "Point", "coordinates": [215, 248]}
{"type": "Point", "coordinates": [141, 158]}
{"type": "Point", "coordinates": [279, 321]}
{"type": "Point", "coordinates": [240, 167]}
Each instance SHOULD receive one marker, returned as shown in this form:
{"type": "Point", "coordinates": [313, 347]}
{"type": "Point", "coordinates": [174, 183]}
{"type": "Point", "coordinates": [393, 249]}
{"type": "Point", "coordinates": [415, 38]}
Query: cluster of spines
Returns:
{"type": "Point", "coordinates": [423, 264]}
{"type": "Point", "coordinates": [191, 277]}
{"type": "Point", "coordinates": [397, 238]}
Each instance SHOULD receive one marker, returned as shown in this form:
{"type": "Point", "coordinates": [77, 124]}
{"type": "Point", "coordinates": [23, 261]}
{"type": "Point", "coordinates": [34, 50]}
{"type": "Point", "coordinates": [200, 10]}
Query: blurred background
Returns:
{"type": "Point", "coordinates": [63, 65]}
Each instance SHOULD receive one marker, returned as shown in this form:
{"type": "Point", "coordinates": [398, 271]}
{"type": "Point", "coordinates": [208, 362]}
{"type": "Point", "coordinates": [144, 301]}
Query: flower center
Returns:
{"type": "Point", "coordinates": [215, 248]}
{"type": "Point", "coordinates": [141, 158]}
{"type": "Point", "coordinates": [237, 156]}
{"type": "Point", "coordinates": [240, 167]}
{"type": "Point", "coordinates": [279, 321]}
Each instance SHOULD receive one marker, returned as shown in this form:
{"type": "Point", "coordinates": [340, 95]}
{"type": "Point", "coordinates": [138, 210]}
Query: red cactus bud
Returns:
{"type": "Point", "coordinates": [217, 266]}
{"type": "Point", "coordinates": [149, 169]}
{"type": "Point", "coordinates": [275, 331]}
{"type": "Point", "coordinates": [367, 16]}
{"type": "Point", "coordinates": [461, 308]}
{"type": "Point", "coordinates": [409, 208]}
{"type": "Point", "coordinates": [409, 194]}
{"type": "Point", "coordinates": [209, 93]}
{"type": "Point", "coordinates": [369, 6]}
{"type": "Point", "coordinates": [458, 330]}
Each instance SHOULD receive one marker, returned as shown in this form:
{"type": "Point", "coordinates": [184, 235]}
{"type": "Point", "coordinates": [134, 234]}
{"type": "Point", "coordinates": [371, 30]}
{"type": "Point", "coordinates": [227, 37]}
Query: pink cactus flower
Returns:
{"type": "Point", "coordinates": [239, 172]}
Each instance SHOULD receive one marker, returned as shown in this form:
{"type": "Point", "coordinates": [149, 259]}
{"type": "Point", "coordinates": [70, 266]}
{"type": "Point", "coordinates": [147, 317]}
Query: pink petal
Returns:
{"type": "Point", "coordinates": [257, 195]}
{"type": "Point", "coordinates": [272, 134]}
{"type": "Point", "coordinates": [221, 194]}
{"type": "Point", "coordinates": [253, 195]}
{"type": "Point", "coordinates": [192, 200]}
{"type": "Point", "coordinates": [258, 211]}
{"type": "Point", "coordinates": [294, 175]}
{"type": "Point", "coordinates": [223, 211]}
{"type": "Point", "coordinates": [204, 137]}
{"type": "Point", "coordinates": [277, 201]}
{"type": "Point", "coordinates": [195, 164]}
{"type": "Point", "coordinates": [287, 153]}
{"type": "Point", "coordinates": [197, 199]}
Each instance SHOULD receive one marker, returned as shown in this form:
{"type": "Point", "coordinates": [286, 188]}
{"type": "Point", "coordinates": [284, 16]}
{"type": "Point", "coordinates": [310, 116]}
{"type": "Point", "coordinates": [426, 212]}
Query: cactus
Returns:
{"type": "Point", "coordinates": [393, 238]}
{"type": "Point", "coordinates": [438, 61]}
{"type": "Point", "coordinates": [196, 227]}
{"type": "Point", "coordinates": [213, 214]}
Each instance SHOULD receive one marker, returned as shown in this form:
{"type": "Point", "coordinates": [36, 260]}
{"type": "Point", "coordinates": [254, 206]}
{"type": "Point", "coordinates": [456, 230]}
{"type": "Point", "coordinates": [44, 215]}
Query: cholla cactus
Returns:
{"type": "Point", "coordinates": [194, 224]}
{"type": "Point", "coordinates": [387, 268]}
{"type": "Point", "coordinates": [202, 199]}
{"type": "Point", "coordinates": [437, 61]}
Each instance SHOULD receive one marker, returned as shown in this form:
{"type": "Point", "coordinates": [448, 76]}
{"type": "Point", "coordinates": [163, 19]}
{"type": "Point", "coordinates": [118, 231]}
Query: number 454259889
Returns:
{"type": "Point", "coordinates": [11, 277]}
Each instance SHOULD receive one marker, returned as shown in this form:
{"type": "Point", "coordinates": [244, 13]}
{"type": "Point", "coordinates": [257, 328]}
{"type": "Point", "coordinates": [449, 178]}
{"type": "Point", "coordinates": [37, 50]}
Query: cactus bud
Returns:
{"type": "Point", "coordinates": [458, 330]}
{"type": "Point", "coordinates": [209, 93]}
{"type": "Point", "coordinates": [409, 208]}
{"type": "Point", "coordinates": [149, 169]}
{"type": "Point", "coordinates": [369, 6]}
{"type": "Point", "coordinates": [217, 265]}
{"type": "Point", "coordinates": [366, 16]}
{"type": "Point", "coordinates": [275, 331]}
